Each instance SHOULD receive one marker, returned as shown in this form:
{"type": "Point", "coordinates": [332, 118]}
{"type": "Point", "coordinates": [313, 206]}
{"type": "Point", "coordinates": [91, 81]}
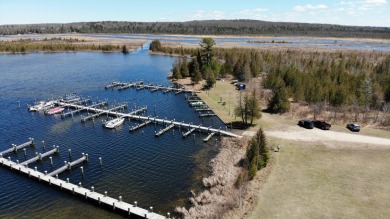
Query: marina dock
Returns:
{"type": "Point", "coordinates": [209, 136]}
{"type": "Point", "coordinates": [153, 88]}
{"type": "Point", "coordinates": [41, 156]}
{"type": "Point", "coordinates": [156, 120]}
{"type": "Point", "coordinates": [15, 148]}
{"type": "Point", "coordinates": [71, 113]}
{"type": "Point", "coordinates": [189, 132]}
{"type": "Point", "coordinates": [162, 131]}
{"type": "Point", "coordinates": [133, 128]}
{"type": "Point", "coordinates": [117, 205]}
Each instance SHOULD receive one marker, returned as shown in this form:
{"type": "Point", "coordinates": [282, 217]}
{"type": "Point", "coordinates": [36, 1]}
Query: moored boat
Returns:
{"type": "Point", "coordinates": [42, 105]}
{"type": "Point", "coordinates": [114, 123]}
{"type": "Point", "coordinates": [55, 110]}
{"type": "Point", "coordinates": [70, 98]}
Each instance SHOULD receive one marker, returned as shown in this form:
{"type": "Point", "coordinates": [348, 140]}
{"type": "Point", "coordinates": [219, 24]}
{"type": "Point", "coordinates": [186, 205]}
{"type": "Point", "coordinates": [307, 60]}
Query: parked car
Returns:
{"type": "Point", "coordinates": [321, 124]}
{"type": "Point", "coordinates": [306, 124]}
{"type": "Point", "coordinates": [353, 127]}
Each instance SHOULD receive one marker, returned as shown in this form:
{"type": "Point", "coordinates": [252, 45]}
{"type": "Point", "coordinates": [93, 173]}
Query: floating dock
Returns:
{"type": "Point", "coordinates": [133, 128]}
{"type": "Point", "coordinates": [158, 121]}
{"type": "Point", "coordinates": [71, 113]}
{"type": "Point", "coordinates": [89, 194]}
{"type": "Point", "coordinates": [15, 148]}
{"type": "Point", "coordinates": [209, 136]}
{"type": "Point", "coordinates": [153, 88]}
{"type": "Point", "coordinates": [41, 156]}
{"type": "Point", "coordinates": [162, 131]}
{"type": "Point", "coordinates": [189, 132]}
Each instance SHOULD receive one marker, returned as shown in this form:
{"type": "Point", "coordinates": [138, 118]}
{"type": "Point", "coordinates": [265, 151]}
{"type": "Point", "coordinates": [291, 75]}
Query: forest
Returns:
{"type": "Point", "coordinates": [359, 80]}
{"type": "Point", "coordinates": [205, 27]}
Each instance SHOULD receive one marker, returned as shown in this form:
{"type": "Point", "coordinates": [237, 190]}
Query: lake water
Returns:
{"type": "Point", "coordinates": [156, 172]}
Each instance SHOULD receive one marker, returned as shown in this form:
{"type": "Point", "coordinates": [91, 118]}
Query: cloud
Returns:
{"type": "Point", "coordinates": [253, 11]}
{"type": "Point", "coordinates": [375, 2]}
{"type": "Point", "coordinates": [309, 7]}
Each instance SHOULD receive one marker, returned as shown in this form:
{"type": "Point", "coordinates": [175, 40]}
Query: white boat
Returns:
{"type": "Point", "coordinates": [114, 123]}
{"type": "Point", "coordinates": [42, 105]}
{"type": "Point", "coordinates": [71, 98]}
{"type": "Point", "coordinates": [55, 110]}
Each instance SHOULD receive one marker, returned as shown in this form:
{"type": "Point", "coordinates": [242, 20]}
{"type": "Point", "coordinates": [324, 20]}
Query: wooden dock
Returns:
{"type": "Point", "coordinates": [159, 121]}
{"type": "Point", "coordinates": [207, 114]}
{"type": "Point", "coordinates": [52, 179]}
{"type": "Point", "coordinates": [41, 156]}
{"type": "Point", "coordinates": [133, 128]}
{"type": "Point", "coordinates": [188, 132]}
{"type": "Point", "coordinates": [162, 131]}
{"type": "Point", "coordinates": [151, 87]}
{"type": "Point", "coordinates": [71, 113]}
{"type": "Point", "coordinates": [15, 148]}
{"type": "Point", "coordinates": [93, 116]}
{"type": "Point", "coordinates": [209, 136]}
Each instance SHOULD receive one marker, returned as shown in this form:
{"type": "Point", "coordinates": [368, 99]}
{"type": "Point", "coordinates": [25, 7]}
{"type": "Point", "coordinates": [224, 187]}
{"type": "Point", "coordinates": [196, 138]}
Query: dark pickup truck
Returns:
{"type": "Point", "coordinates": [321, 124]}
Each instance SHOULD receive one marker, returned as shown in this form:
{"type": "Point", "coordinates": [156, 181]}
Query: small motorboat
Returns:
{"type": "Point", "coordinates": [70, 98]}
{"type": "Point", "coordinates": [55, 110]}
{"type": "Point", "coordinates": [42, 105]}
{"type": "Point", "coordinates": [37, 107]}
{"type": "Point", "coordinates": [114, 123]}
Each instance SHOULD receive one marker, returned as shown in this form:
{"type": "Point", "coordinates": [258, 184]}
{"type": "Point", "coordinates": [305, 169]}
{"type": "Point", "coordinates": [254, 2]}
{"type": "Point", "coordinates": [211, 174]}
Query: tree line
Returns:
{"type": "Point", "coordinates": [207, 27]}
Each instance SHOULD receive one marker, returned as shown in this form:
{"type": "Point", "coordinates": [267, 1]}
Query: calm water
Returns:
{"type": "Point", "coordinates": [156, 172]}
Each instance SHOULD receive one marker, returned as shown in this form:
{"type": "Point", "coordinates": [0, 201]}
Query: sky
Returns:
{"type": "Point", "coordinates": [346, 12]}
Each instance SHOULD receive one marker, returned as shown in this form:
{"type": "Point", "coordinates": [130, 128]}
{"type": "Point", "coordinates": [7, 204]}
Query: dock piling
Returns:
{"type": "Point", "coordinates": [101, 162]}
{"type": "Point", "coordinates": [135, 203]}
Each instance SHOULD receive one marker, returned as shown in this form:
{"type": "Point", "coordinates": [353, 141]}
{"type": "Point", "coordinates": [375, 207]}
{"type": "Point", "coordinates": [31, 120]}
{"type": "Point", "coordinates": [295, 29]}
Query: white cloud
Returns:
{"type": "Point", "coordinates": [309, 7]}
{"type": "Point", "coordinates": [375, 2]}
{"type": "Point", "coordinates": [253, 11]}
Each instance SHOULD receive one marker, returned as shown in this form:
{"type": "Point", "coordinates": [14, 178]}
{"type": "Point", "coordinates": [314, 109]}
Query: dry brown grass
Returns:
{"type": "Point", "coordinates": [310, 180]}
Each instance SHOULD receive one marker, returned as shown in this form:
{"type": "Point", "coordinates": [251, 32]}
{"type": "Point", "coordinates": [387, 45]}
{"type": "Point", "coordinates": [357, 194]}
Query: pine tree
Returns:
{"type": "Point", "coordinates": [263, 149]}
{"type": "Point", "coordinates": [252, 157]}
{"type": "Point", "coordinates": [184, 69]}
{"type": "Point", "coordinates": [279, 102]}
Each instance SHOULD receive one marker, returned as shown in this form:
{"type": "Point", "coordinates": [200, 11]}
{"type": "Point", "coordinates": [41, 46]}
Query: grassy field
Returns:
{"type": "Point", "coordinates": [226, 92]}
{"type": "Point", "coordinates": [312, 181]}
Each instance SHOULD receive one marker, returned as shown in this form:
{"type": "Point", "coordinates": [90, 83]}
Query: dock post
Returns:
{"type": "Point", "coordinates": [39, 177]}
{"type": "Point", "coordinates": [70, 152]}
{"type": "Point", "coordinates": [73, 190]}
{"type": "Point", "coordinates": [86, 195]}
{"type": "Point", "coordinates": [17, 161]}
{"type": "Point", "coordinates": [29, 173]}
{"type": "Point", "coordinates": [49, 181]}
{"type": "Point", "coordinates": [92, 189]}
{"type": "Point", "coordinates": [36, 168]}
{"type": "Point", "coordinates": [43, 144]}
{"type": "Point", "coordinates": [25, 151]}
{"type": "Point", "coordinates": [113, 206]}
{"type": "Point", "coordinates": [67, 180]}
{"type": "Point", "coordinates": [135, 203]}
{"type": "Point", "coordinates": [56, 176]}
{"type": "Point", "coordinates": [173, 131]}
{"type": "Point", "coordinates": [32, 141]}
{"type": "Point", "coordinates": [105, 193]}
{"type": "Point", "coordinates": [79, 184]}
{"type": "Point", "coordinates": [82, 171]}
{"type": "Point", "coordinates": [99, 200]}
{"type": "Point", "coordinates": [194, 136]}
{"type": "Point", "coordinates": [86, 157]}
{"type": "Point", "coordinates": [60, 185]}
{"type": "Point", "coordinates": [151, 209]}
{"type": "Point", "coordinates": [100, 160]}
{"type": "Point", "coordinates": [51, 161]}
{"type": "Point", "coordinates": [168, 215]}
{"type": "Point", "coordinates": [58, 149]}
{"type": "Point", "coordinates": [120, 198]}
{"type": "Point", "coordinates": [128, 211]}
{"type": "Point", "coordinates": [45, 172]}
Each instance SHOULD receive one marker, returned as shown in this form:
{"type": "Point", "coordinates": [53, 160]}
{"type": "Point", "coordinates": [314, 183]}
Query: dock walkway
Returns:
{"type": "Point", "coordinates": [89, 194]}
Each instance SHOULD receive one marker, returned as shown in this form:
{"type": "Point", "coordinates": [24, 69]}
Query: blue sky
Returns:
{"type": "Point", "coordinates": [346, 12]}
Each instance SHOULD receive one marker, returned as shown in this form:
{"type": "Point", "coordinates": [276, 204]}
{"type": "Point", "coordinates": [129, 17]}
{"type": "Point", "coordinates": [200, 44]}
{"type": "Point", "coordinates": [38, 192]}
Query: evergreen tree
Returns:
{"type": "Point", "coordinates": [279, 102]}
{"type": "Point", "coordinates": [125, 50]}
{"type": "Point", "coordinates": [176, 72]}
{"type": "Point", "coordinates": [252, 157]}
{"type": "Point", "coordinates": [196, 75]}
{"type": "Point", "coordinates": [263, 149]}
{"type": "Point", "coordinates": [155, 46]}
{"type": "Point", "coordinates": [207, 45]}
{"type": "Point", "coordinates": [184, 69]}
{"type": "Point", "coordinates": [210, 78]}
